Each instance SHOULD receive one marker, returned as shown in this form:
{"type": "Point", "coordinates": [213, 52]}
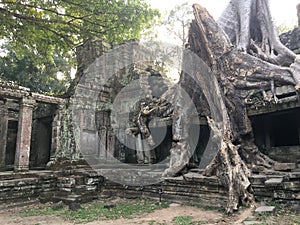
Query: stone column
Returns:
{"type": "Point", "coordinates": [139, 150]}
{"type": "Point", "coordinates": [3, 133]}
{"type": "Point", "coordinates": [110, 142]}
{"type": "Point", "coordinates": [24, 135]}
{"type": "Point", "coordinates": [56, 133]}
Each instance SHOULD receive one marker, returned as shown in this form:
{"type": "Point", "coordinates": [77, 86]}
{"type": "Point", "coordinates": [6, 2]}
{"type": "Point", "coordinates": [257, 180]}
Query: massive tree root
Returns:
{"type": "Point", "coordinates": [249, 25]}
{"type": "Point", "coordinates": [235, 72]}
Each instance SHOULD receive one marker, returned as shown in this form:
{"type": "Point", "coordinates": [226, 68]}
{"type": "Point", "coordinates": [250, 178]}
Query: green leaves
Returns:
{"type": "Point", "coordinates": [40, 31]}
{"type": "Point", "coordinates": [39, 25]}
{"type": "Point", "coordinates": [39, 76]}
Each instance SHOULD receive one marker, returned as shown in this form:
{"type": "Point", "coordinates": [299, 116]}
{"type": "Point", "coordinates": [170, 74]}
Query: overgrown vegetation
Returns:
{"type": "Point", "coordinates": [282, 28]}
{"type": "Point", "coordinates": [97, 210]}
{"type": "Point", "coordinates": [38, 38]}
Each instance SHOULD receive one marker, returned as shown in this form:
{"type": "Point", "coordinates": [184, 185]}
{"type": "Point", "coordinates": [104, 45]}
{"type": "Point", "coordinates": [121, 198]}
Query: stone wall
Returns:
{"type": "Point", "coordinates": [82, 128]}
{"type": "Point", "coordinates": [277, 187]}
{"type": "Point", "coordinates": [25, 127]}
{"type": "Point", "coordinates": [192, 188]}
{"type": "Point", "coordinates": [83, 185]}
{"type": "Point", "coordinates": [18, 188]}
{"type": "Point", "coordinates": [68, 186]}
{"type": "Point", "coordinates": [291, 39]}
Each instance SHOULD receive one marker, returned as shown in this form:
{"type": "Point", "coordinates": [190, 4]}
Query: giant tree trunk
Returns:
{"type": "Point", "coordinates": [233, 72]}
{"type": "Point", "coordinates": [249, 25]}
{"type": "Point", "coordinates": [230, 73]}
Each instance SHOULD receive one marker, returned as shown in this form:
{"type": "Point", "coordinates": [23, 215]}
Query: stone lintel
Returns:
{"type": "Point", "coordinates": [24, 135]}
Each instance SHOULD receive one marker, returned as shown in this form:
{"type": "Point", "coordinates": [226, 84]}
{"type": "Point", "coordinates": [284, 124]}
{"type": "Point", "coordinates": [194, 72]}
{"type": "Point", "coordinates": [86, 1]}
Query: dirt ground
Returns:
{"type": "Point", "coordinates": [160, 217]}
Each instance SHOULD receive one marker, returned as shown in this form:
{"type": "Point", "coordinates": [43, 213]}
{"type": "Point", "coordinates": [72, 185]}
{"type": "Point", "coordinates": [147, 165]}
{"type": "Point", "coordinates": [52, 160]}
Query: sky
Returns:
{"type": "Point", "coordinates": [283, 12]}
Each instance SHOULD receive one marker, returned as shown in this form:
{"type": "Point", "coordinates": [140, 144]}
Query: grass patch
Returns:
{"type": "Point", "coordinates": [183, 220]}
{"type": "Point", "coordinates": [153, 222]}
{"type": "Point", "coordinates": [186, 220]}
{"type": "Point", "coordinates": [94, 211]}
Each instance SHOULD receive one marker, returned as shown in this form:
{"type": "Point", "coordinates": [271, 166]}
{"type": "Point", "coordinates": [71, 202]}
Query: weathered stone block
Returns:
{"type": "Point", "coordinates": [294, 175]}
{"type": "Point", "coordinates": [286, 195]}
{"type": "Point", "coordinates": [274, 182]}
{"type": "Point", "coordinates": [284, 166]}
{"type": "Point", "coordinates": [251, 222]}
{"type": "Point", "coordinates": [265, 209]}
{"type": "Point", "coordinates": [292, 185]}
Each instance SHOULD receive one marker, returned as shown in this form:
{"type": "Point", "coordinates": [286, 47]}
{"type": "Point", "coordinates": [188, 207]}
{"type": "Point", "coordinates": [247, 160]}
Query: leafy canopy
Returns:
{"type": "Point", "coordinates": [43, 26]}
{"type": "Point", "coordinates": [39, 32]}
{"type": "Point", "coordinates": [41, 77]}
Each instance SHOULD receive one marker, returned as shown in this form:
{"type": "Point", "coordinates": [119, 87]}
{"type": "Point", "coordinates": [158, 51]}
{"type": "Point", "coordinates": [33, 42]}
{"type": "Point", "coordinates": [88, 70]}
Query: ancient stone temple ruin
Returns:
{"type": "Point", "coordinates": [27, 128]}
{"type": "Point", "coordinates": [67, 148]}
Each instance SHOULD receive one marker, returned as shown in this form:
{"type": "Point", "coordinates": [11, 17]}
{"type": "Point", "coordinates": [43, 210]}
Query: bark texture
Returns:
{"type": "Point", "coordinates": [235, 73]}
{"type": "Point", "coordinates": [249, 25]}
{"type": "Point", "coordinates": [258, 62]}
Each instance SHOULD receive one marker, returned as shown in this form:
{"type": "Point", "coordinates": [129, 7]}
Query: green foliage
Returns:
{"type": "Point", "coordinates": [45, 27]}
{"type": "Point", "coordinates": [186, 220]}
{"type": "Point", "coordinates": [39, 77]}
{"type": "Point", "coordinates": [282, 28]}
{"type": "Point", "coordinates": [42, 35]}
{"type": "Point", "coordinates": [95, 211]}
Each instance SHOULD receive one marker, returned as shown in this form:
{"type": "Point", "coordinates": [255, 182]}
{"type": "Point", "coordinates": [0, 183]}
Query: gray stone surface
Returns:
{"type": "Point", "coordinates": [24, 135]}
{"type": "Point", "coordinates": [3, 133]}
{"type": "Point", "coordinates": [291, 39]}
{"type": "Point", "coordinates": [265, 209]}
{"type": "Point", "coordinates": [274, 181]}
{"type": "Point", "coordinates": [284, 166]}
{"type": "Point", "coordinates": [251, 222]}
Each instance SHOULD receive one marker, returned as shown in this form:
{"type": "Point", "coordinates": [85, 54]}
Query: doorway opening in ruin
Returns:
{"type": "Point", "coordinates": [11, 144]}
{"type": "Point", "coordinates": [153, 156]}
{"type": "Point", "coordinates": [162, 151]}
{"type": "Point", "coordinates": [40, 143]}
{"type": "Point", "coordinates": [278, 134]}
{"type": "Point", "coordinates": [41, 138]}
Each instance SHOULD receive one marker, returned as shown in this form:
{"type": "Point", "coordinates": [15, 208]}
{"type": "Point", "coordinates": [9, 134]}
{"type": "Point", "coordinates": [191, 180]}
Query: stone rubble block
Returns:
{"type": "Point", "coordinates": [286, 195]}
{"type": "Point", "coordinates": [292, 185]}
{"type": "Point", "coordinates": [265, 209]}
{"type": "Point", "coordinates": [284, 166]}
{"type": "Point", "coordinates": [251, 222]}
{"type": "Point", "coordinates": [274, 181]}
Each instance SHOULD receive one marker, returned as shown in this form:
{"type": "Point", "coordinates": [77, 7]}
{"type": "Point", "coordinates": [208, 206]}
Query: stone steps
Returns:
{"type": "Point", "coordinates": [84, 185]}
{"type": "Point", "coordinates": [285, 187]}
{"type": "Point", "coordinates": [192, 188]}
{"type": "Point", "coordinates": [19, 187]}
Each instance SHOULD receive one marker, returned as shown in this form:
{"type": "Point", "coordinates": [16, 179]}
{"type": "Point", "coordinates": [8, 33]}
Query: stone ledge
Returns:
{"type": "Point", "coordinates": [274, 182]}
